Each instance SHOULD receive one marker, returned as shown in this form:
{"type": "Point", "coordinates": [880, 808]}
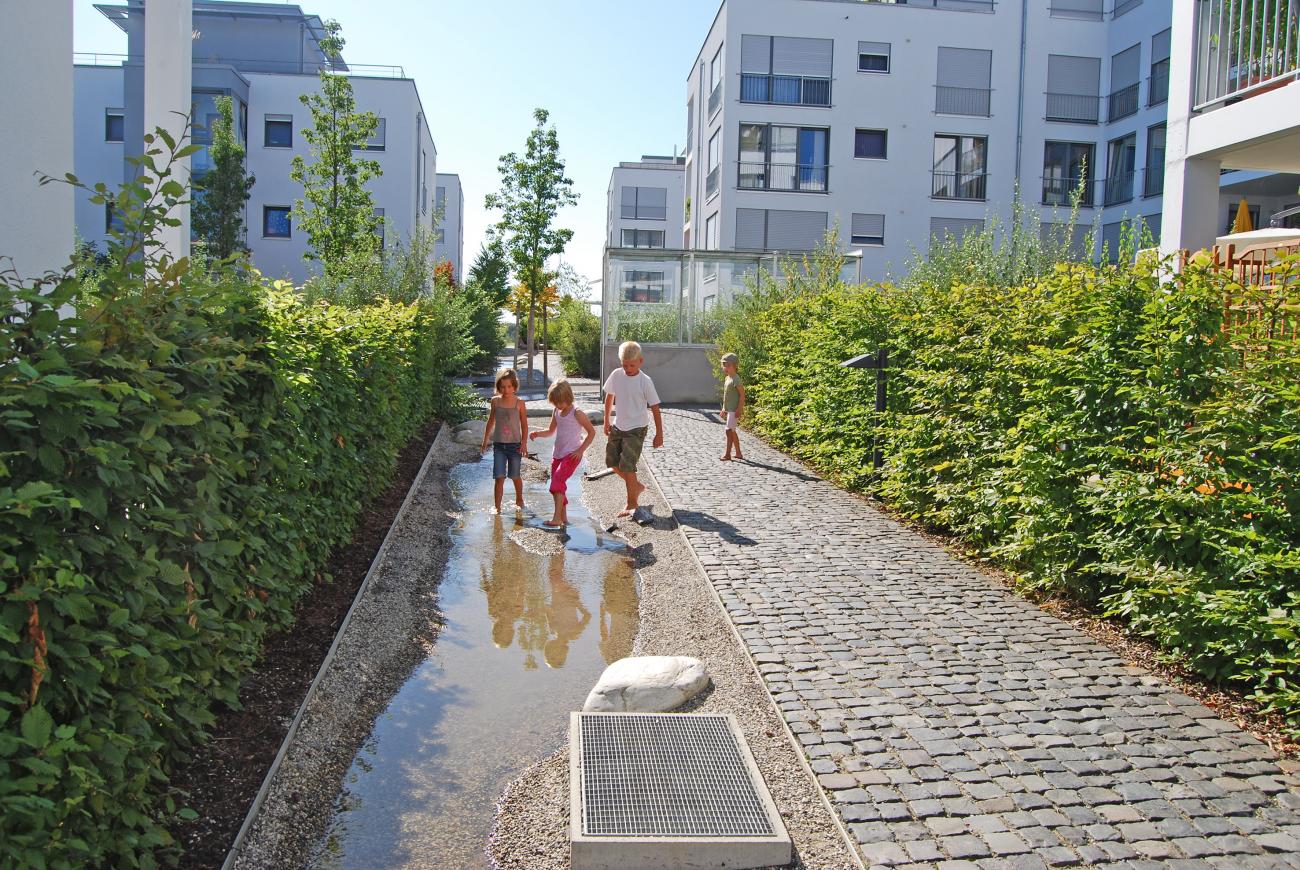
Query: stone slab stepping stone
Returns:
{"type": "Point", "coordinates": [647, 684]}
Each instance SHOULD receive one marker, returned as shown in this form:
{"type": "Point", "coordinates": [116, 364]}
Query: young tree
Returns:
{"type": "Point", "coordinates": [221, 194]}
{"type": "Point", "coordinates": [338, 213]}
{"type": "Point", "coordinates": [533, 190]}
{"type": "Point", "coordinates": [491, 272]}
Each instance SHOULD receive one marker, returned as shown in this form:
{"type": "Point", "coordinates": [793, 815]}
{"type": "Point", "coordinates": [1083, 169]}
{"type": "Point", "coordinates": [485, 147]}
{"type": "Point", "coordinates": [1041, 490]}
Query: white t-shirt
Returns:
{"type": "Point", "coordinates": [632, 398]}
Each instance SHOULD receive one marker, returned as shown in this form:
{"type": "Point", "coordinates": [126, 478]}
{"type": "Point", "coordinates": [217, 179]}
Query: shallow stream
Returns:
{"type": "Point", "coordinates": [526, 634]}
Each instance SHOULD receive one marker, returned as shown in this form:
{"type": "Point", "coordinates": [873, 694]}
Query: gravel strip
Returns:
{"type": "Point", "coordinates": [680, 615]}
{"type": "Point", "coordinates": [391, 631]}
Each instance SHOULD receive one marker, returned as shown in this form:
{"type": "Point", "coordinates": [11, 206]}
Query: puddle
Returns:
{"type": "Point", "coordinates": [527, 634]}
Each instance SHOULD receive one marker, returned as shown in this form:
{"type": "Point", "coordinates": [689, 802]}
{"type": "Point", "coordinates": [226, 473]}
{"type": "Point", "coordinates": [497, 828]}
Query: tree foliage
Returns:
{"type": "Point", "coordinates": [336, 211]}
{"type": "Point", "coordinates": [491, 272]}
{"type": "Point", "coordinates": [221, 194]}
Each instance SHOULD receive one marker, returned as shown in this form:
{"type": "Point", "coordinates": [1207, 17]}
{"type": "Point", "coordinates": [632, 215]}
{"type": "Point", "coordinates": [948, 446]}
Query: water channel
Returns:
{"type": "Point", "coordinates": [525, 637]}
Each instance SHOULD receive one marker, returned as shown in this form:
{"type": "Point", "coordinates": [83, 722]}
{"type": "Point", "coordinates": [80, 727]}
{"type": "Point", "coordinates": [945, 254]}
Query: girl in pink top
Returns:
{"type": "Point", "coordinates": [568, 425]}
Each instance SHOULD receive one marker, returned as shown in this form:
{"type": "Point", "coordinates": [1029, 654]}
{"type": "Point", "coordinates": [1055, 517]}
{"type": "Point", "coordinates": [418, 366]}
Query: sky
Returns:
{"type": "Point", "coordinates": [611, 73]}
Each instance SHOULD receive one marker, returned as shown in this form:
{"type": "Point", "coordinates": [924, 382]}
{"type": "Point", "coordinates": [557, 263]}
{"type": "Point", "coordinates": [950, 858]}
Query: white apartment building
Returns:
{"type": "Point", "coordinates": [449, 236]}
{"type": "Point", "coordinates": [645, 203]}
{"type": "Point", "coordinates": [902, 121]}
{"type": "Point", "coordinates": [264, 56]}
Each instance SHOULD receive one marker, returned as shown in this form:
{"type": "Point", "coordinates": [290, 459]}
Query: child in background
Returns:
{"type": "Point", "coordinates": [568, 425]}
{"type": "Point", "coordinates": [507, 427]}
{"type": "Point", "coordinates": [733, 404]}
{"type": "Point", "coordinates": [630, 398]}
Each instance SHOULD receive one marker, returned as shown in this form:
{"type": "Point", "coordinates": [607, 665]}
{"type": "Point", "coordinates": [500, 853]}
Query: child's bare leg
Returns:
{"type": "Point", "coordinates": [498, 487]}
{"type": "Point", "coordinates": [735, 439]}
{"type": "Point", "coordinates": [519, 492]}
{"type": "Point", "coordinates": [727, 453]}
{"type": "Point", "coordinates": [557, 517]}
{"type": "Point", "coordinates": [634, 490]}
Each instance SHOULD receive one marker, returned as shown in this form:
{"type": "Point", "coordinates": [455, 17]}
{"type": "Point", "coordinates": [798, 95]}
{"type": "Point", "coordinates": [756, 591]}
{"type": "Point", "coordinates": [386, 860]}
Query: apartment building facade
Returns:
{"type": "Point", "coordinates": [902, 121]}
{"type": "Point", "coordinates": [645, 203]}
{"type": "Point", "coordinates": [264, 57]}
{"type": "Point", "coordinates": [449, 235]}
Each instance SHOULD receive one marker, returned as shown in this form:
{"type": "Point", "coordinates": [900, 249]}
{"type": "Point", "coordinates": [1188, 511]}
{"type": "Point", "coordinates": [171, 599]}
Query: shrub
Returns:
{"type": "Point", "coordinates": [178, 459]}
{"type": "Point", "coordinates": [575, 333]}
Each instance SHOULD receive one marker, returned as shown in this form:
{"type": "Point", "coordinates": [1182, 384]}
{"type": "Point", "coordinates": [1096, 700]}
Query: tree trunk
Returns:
{"type": "Point", "coordinates": [532, 347]}
{"type": "Point", "coordinates": [546, 350]}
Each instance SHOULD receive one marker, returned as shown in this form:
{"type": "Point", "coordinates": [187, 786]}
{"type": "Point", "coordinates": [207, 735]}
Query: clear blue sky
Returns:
{"type": "Point", "coordinates": [612, 74]}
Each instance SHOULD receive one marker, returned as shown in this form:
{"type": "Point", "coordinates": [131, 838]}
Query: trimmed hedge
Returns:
{"type": "Point", "coordinates": [177, 462]}
{"type": "Point", "coordinates": [1095, 431]}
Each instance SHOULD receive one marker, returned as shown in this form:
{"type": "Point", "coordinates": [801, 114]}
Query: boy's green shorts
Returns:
{"type": "Point", "coordinates": [623, 449]}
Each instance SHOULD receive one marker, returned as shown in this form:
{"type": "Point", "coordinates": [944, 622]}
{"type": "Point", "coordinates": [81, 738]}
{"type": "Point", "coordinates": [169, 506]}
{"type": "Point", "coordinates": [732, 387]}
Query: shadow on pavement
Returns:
{"type": "Point", "coordinates": [707, 522]}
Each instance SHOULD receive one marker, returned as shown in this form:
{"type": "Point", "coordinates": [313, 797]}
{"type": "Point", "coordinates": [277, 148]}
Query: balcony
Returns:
{"type": "Point", "coordinates": [959, 185]}
{"type": "Point", "coordinates": [962, 101]}
{"type": "Point", "coordinates": [802, 178]}
{"type": "Point", "coordinates": [1244, 48]}
{"type": "Point", "coordinates": [1158, 84]}
{"type": "Point", "coordinates": [1122, 103]}
{"type": "Point", "coordinates": [1059, 191]}
{"type": "Point", "coordinates": [1123, 7]}
{"type": "Point", "coordinates": [1153, 183]}
{"type": "Point", "coordinates": [785, 90]}
{"type": "Point", "coordinates": [715, 100]}
{"type": "Point", "coordinates": [1084, 10]}
{"type": "Point", "coordinates": [1119, 188]}
{"type": "Point", "coordinates": [1074, 108]}
{"type": "Point", "coordinates": [711, 183]}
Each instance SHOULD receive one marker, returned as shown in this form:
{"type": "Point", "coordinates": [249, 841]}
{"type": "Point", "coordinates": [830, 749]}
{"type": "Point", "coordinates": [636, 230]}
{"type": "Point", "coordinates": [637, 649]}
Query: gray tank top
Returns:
{"type": "Point", "coordinates": [506, 428]}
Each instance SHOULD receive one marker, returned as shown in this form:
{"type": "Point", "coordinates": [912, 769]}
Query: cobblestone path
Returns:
{"type": "Point", "coordinates": [953, 724]}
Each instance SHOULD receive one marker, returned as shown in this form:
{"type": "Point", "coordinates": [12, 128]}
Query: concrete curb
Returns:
{"type": "Point", "coordinates": [441, 443]}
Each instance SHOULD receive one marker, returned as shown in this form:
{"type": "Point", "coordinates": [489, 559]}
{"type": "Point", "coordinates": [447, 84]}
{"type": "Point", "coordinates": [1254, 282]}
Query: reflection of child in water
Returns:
{"type": "Point", "coordinates": [565, 614]}
{"type": "Point", "coordinates": [620, 616]}
{"type": "Point", "coordinates": [504, 588]}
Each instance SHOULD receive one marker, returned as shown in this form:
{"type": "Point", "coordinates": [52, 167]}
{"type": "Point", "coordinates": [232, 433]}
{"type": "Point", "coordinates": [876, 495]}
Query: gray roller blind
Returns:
{"type": "Point", "coordinates": [941, 227]}
{"type": "Point", "coordinates": [1160, 46]}
{"type": "Point", "coordinates": [1089, 9]}
{"type": "Point", "coordinates": [751, 228]}
{"type": "Point", "coordinates": [1110, 234]}
{"type": "Point", "coordinates": [868, 224]}
{"type": "Point", "coordinates": [1065, 236]}
{"type": "Point", "coordinates": [1073, 75]}
{"type": "Point", "coordinates": [756, 54]}
{"type": "Point", "coordinates": [964, 67]}
{"type": "Point", "coordinates": [873, 48]}
{"type": "Point", "coordinates": [1153, 226]}
{"type": "Point", "coordinates": [800, 56]}
{"type": "Point", "coordinates": [628, 203]}
{"type": "Point", "coordinates": [1124, 68]}
{"type": "Point", "coordinates": [795, 230]}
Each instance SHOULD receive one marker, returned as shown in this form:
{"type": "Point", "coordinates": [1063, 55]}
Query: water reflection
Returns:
{"type": "Point", "coordinates": [481, 708]}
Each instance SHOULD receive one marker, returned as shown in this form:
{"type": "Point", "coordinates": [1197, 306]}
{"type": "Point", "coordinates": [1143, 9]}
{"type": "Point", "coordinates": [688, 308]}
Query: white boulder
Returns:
{"type": "Point", "coordinates": [478, 427]}
{"type": "Point", "coordinates": [647, 684]}
{"type": "Point", "coordinates": [468, 436]}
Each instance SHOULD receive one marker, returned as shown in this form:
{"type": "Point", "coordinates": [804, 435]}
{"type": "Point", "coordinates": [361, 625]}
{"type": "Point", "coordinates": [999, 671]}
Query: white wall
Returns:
{"type": "Point", "coordinates": [669, 176]}
{"type": "Point", "coordinates": [452, 225]}
{"type": "Point", "coordinates": [36, 223]}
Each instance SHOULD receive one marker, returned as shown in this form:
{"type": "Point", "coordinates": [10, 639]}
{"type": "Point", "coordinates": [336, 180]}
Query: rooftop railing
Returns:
{"type": "Point", "coordinates": [252, 64]}
{"type": "Point", "coordinates": [1244, 47]}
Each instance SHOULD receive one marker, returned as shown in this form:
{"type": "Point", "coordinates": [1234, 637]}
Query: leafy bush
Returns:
{"type": "Point", "coordinates": [178, 459]}
{"type": "Point", "coordinates": [1094, 429]}
{"type": "Point", "coordinates": [575, 332]}
{"type": "Point", "coordinates": [646, 322]}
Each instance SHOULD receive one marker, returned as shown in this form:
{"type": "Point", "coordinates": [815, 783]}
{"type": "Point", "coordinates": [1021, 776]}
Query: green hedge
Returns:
{"type": "Point", "coordinates": [177, 462]}
{"type": "Point", "coordinates": [1093, 431]}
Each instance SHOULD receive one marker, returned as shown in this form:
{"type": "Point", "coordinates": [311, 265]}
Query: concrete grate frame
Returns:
{"type": "Point", "coordinates": [651, 790]}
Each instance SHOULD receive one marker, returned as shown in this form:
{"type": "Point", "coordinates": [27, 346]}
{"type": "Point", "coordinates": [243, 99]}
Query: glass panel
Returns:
{"type": "Point", "coordinates": [753, 156]}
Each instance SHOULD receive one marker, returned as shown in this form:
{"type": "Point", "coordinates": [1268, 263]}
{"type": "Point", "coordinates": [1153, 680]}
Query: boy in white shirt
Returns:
{"type": "Point", "coordinates": [630, 399]}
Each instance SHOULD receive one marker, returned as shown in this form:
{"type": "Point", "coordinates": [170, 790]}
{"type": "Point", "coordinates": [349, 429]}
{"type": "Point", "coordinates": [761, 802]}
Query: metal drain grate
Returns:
{"type": "Point", "coordinates": [675, 775]}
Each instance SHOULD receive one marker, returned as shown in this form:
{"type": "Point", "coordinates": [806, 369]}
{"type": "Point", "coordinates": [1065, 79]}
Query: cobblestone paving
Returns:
{"type": "Point", "coordinates": [953, 724]}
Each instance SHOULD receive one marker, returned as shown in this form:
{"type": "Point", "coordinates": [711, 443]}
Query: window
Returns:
{"type": "Point", "coordinates": [643, 238]}
{"type": "Point", "coordinates": [278, 131]}
{"type": "Point", "coordinates": [868, 229]}
{"type": "Point", "coordinates": [1158, 84]}
{"type": "Point", "coordinates": [114, 125]}
{"type": "Point", "coordinates": [715, 82]}
{"type": "Point", "coordinates": [1154, 180]}
{"type": "Point", "coordinates": [1066, 168]}
{"type": "Point", "coordinates": [784, 158]}
{"type": "Point", "coordinates": [275, 222]}
{"type": "Point", "coordinates": [711, 233]}
{"type": "Point", "coordinates": [963, 82]}
{"type": "Point", "coordinates": [1124, 72]}
{"type": "Point", "coordinates": [641, 285]}
{"type": "Point", "coordinates": [715, 149]}
{"type": "Point", "coordinates": [422, 181]}
{"type": "Point", "coordinates": [690, 126]}
{"type": "Point", "coordinates": [873, 57]}
{"type": "Point", "coordinates": [870, 143]}
{"type": "Point", "coordinates": [377, 139]}
{"type": "Point", "coordinates": [960, 166]}
{"type": "Point", "coordinates": [645, 203]}
{"type": "Point", "coordinates": [440, 200]}
{"type": "Point", "coordinates": [787, 70]}
{"type": "Point", "coordinates": [1073, 89]}
{"type": "Point", "coordinates": [112, 220]}
{"type": "Point", "coordinates": [760, 229]}
{"type": "Point", "coordinates": [1121, 160]}
{"type": "Point", "coordinates": [379, 213]}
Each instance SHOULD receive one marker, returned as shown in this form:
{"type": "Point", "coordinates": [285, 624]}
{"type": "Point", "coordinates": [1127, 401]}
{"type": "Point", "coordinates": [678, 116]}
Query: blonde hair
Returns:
{"type": "Point", "coordinates": [506, 375]}
{"type": "Point", "coordinates": [560, 391]}
{"type": "Point", "coordinates": [628, 351]}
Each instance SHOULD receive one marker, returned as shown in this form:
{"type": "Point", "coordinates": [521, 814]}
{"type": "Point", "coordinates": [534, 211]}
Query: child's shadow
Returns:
{"type": "Point", "coordinates": [707, 522]}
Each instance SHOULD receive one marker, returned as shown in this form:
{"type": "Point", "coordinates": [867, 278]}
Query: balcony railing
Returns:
{"type": "Point", "coordinates": [959, 185]}
{"type": "Point", "coordinates": [1122, 103]}
{"type": "Point", "coordinates": [1244, 47]}
{"type": "Point", "coordinates": [1074, 108]}
{"type": "Point", "coordinates": [785, 90]}
{"type": "Point", "coordinates": [715, 100]}
{"type": "Point", "coordinates": [1124, 6]}
{"type": "Point", "coordinates": [1158, 84]}
{"type": "Point", "coordinates": [1085, 10]}
{"type": "Point", "coordinates": [806, 178]}
{"type": "Point", "coordinates": [711, 183]}
{"type": "Point", "coordinates": [1119, 188]}
{"type": "Point", "coordinates": [962, 101]}
{"type": "Point", "coordinates": [1060, 191]}
{"type": "Point", "coordinates": [1153, 180]}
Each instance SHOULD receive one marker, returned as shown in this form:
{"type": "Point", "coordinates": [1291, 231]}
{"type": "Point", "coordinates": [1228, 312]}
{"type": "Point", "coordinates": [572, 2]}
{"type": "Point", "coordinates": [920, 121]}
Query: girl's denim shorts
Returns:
{"type": "Point", "coordinates": [505, 460]}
